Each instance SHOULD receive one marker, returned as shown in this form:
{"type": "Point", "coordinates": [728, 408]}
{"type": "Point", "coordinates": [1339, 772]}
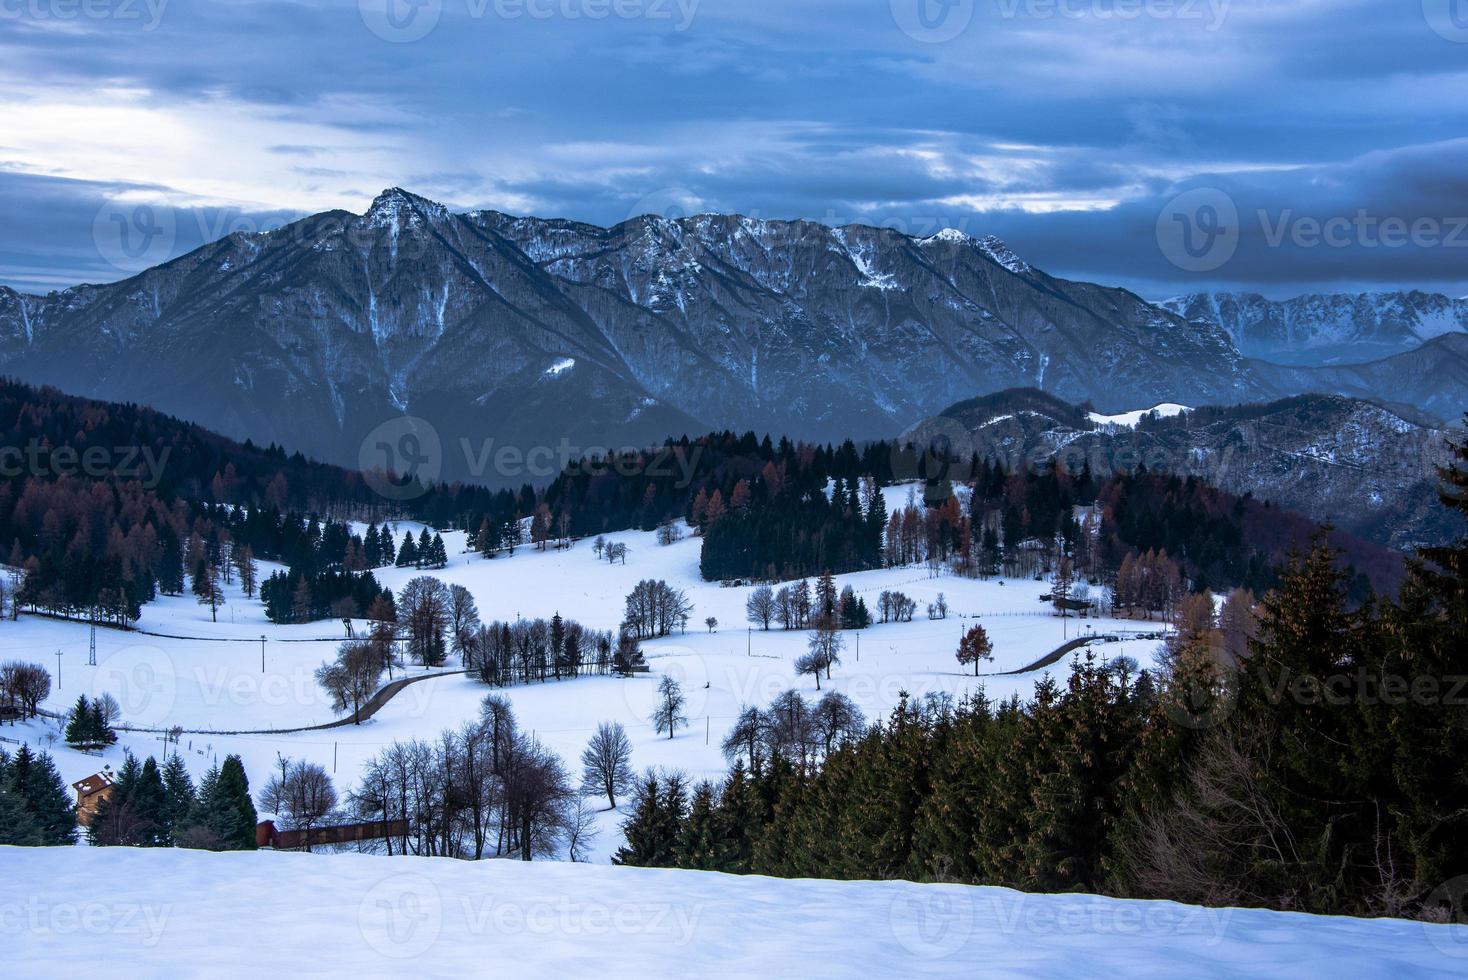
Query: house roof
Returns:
{"type": "Point", "coordinates": [94, 783]}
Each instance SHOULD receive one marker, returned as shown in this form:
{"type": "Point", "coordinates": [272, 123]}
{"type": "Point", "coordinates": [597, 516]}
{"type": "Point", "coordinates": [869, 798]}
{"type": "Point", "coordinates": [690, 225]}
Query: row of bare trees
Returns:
{"type": "Point", "coordinates": [537, 650]}
{"type": "Point", "coordinates": [485, 789]}
{"type": "Point", "coordinates": [654, 608]}
{"type": "Point", "coordinates": [793, 728]}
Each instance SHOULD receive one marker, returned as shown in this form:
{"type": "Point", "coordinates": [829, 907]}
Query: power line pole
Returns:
{"type": "Point", "coordinates": [58, 670]}
{"type": "Point", "coordinates": [92, 651]}
{"type": "Point", "coordinates": [262, 653]}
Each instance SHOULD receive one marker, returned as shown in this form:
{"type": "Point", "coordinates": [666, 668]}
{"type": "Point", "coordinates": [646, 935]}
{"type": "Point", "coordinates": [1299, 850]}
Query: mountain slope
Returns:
{"type": "Point", "coordinates": [1325, 328]}
{"type": "Point", "coordinates": [557, 336]}
{"type": "Point", "coordinates": [1362, 467]}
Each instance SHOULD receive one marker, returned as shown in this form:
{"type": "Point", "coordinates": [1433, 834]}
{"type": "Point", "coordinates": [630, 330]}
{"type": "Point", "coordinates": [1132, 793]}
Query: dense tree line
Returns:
{"type": "Point", "coordinates": [1314, 769]}
{"type": "Point", "coordinates": [775, 532]}
{"type": "Point", "coordinates": [158, 806]}
{"type": "Point", "coordinates": [100, 539]}
{"type": "Point", "coordinates": [148, 805]}
{"type": "Point", "coordinates": [100, 504]}
{"type": "Point", "coordinates": [645, 488]}
{"type": "Point", "coordinates": [300, 597]}
{"type": "Point", "coordinates": [528, 650]}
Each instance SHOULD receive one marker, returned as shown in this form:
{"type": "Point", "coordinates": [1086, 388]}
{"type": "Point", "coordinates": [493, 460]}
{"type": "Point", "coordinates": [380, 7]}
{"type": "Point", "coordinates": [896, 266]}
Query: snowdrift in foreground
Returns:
{"type": "Point", "coordinates": [182, 913]}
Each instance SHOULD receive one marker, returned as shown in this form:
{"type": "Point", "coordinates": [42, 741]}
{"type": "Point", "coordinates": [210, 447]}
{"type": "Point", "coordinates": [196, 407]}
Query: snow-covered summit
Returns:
{"type": "Point", "coordinates": [1003, 254]}
{"type": "Point", "coordinates": [394, 204]}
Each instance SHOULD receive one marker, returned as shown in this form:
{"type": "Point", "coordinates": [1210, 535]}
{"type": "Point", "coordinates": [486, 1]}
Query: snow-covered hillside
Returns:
{"type": "Point", "coordinates": [214, 683]}
{"type": "Point", "coordinates": [1129, 420]}
{"type": "Point", "coordinates": [193, 913]}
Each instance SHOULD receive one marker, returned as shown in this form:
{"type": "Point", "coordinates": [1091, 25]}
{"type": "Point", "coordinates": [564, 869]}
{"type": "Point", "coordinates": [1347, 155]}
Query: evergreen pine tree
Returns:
{"type": "Point", "coordinates": [698, 842]}
{"type": "Point", "coordinates": [17, 827]}
{"type": "Point", "coordinates": [100, 726]}
{"type": "Point", "coordinates": [170, 562]}
{"type": "Point", "coordinates": [150, 805]}
{"type": "Point", "coordinates": [114, 823]}
{"type": "Point", "coordinates": [80, 728]}
{"type": "Point", "coordinates": [372, 546]}
{"type": "Point", "coordinates": [642, 848]}
{"type": "Point", "coordinates": [34, 781]}
{"type": "Point", "coordinates": [737, 821]}
{"type": "Point", "coordinates": [178, 797]}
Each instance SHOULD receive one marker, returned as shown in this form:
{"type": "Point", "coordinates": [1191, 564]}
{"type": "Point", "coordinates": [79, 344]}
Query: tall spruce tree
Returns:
{"type": "Point", "coordinates": [178, 797]}
{"type": "Point", "coordinates": [33, 781]}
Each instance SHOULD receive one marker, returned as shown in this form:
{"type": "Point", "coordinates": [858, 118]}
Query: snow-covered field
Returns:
{"type": "Point", "coordinates": [1129, 420]}
{"type": "Point", "coordinates": [203, 685]}
{"type": "Point", "coordinates": [176, 913]}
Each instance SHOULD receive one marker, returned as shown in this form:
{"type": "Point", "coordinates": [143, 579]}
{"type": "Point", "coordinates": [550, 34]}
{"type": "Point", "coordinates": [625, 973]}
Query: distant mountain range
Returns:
{"type": "Point", "coordinates": [1326, 328]}
{"type": "Point", "coordinates": [1365, 469]}
{"type": "Point", "coordinates": [552, 333]}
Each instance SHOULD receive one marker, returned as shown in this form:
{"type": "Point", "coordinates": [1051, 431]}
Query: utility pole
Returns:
{"type": "Point", "coordinates": [749, 641]}
{"type": "Point", "coordinates": [262, 653]}
{"type": "Point", "coordinates": [92, 651]}
{"type": "Point", "coordinates": [58, 670]}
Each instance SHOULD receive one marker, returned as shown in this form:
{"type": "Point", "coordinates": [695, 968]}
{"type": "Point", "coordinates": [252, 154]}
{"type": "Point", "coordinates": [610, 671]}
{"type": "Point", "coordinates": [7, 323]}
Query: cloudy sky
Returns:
{"type": "Point", "coordinates": [1166, 145]}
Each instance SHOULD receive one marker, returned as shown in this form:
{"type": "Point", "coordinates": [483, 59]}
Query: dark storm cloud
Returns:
{"type": "Point", "coordinates": [1067, 127]}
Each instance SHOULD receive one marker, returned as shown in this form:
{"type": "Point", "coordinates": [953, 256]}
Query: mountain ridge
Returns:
{"type": "Point", "coordinates": [503, 330]}
{"type": "Point", "coordinates": [1326, 328]}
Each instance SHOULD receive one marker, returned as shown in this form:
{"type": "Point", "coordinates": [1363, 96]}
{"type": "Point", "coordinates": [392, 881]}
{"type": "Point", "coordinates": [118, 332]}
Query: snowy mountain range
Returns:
{"type": "Point", "coordinates": [542, 332]}
{"type": "Point", "coordinates": [1326, 328]}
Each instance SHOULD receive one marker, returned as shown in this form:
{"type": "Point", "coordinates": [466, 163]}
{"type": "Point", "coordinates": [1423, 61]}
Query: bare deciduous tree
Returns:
{"type": "Point", "coordinates": [760, 607]}
{"type": "Point", "coordinates": [24, 686]}
{"type": "Point", "coordinates": [607, 762]}
{"type": "Point", "coordinates": [303, 797]}
{"type": "Point", "coordinates": [353, 677]}
{"type": "Point", "coordinates": [669, 712]}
